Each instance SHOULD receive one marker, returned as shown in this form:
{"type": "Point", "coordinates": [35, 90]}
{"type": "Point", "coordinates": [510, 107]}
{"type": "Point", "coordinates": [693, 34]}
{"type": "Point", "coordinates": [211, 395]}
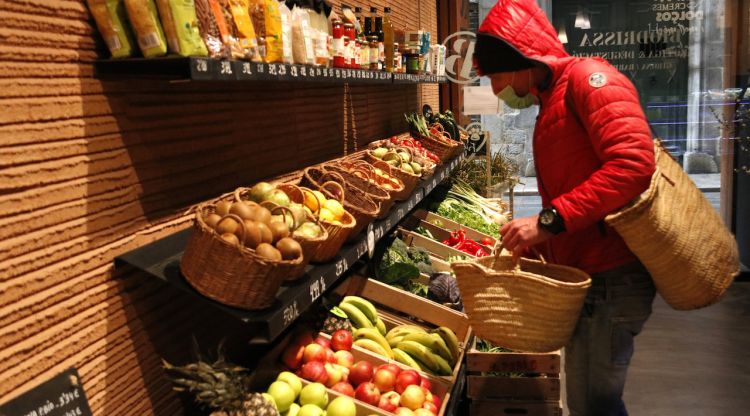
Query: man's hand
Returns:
{"type": "Point", "coordinates": [522, 233]}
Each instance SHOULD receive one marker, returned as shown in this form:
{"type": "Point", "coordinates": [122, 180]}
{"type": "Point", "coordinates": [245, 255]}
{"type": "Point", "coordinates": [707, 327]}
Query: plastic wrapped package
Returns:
{"type": "Point", "coordinates": [245, 31]}
{"type": "Point", "coordinates": [267, 21]}
{"type": "Point", "coordinates": [209, 29]}
{"type": "Point", "coordinates": [112, 24]}
{"type": "Point", "coordinates": [228, 28]}
{"type": "Point", "coordinates": [145, 22]}
{"type": "Point", "coordinates": [286, 33]}
{"type": "Point", "coordinates": [181, 27]}
{"type": "Point", "coordinates": [302, 37]}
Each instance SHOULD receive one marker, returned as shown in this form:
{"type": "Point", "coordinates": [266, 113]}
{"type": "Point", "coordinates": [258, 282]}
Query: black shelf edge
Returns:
{"type": "Point", "coordinates": [161, 259]}
{"type": "Point", "coordinates": [208, 69]}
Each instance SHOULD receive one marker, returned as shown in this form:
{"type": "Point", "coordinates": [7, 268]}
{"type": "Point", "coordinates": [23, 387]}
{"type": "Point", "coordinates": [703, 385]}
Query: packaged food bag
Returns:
{"type": "Point", "coordinates": [227, 28]}
{"type": "Point", "coordinates": [302, 37]}
{"type": "Point", "coordinates": [286, 33]}
{"type": "Point", "coordinates": [111, 21]}
{"type": "Point", "coordinates": [209, 30]}
{"type": "Point", "coordinates": [181, 27]}
{"type": "Point", "coordinates": [145, 21]}
{"type": "Point", "coordinates": [267, 21]}
{"type": "Point", "coordinates": [245, 31]}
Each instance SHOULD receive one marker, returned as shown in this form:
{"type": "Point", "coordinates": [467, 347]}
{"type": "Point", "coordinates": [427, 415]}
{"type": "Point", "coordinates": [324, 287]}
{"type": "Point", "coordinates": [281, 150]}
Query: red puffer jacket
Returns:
{"type": "Point", "coordinates": [593, 148]}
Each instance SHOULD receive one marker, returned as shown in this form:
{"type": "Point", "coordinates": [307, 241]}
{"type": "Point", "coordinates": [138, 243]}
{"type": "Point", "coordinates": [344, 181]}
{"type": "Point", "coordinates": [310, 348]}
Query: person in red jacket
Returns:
{"type": "Point", "coordinates": [593, 152]}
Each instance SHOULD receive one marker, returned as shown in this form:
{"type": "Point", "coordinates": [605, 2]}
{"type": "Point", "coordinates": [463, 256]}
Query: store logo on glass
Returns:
{"type": "Point", "coordinates": [459, 56]}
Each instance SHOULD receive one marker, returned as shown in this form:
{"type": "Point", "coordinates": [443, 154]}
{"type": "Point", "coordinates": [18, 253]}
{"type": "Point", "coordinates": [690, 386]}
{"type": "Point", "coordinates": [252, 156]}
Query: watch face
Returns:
{"type": "Point", "coordinates": [547, 217]}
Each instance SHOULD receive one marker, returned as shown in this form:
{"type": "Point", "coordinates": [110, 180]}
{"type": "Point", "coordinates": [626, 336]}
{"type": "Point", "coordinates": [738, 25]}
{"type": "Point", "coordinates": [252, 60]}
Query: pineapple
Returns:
{"type": "Point", "coordinates": [220, 386]}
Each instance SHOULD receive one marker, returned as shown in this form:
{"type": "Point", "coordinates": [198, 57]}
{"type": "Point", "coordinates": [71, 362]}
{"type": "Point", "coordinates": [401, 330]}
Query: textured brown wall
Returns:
{"type": "Point", "coordinates": [91, 169]}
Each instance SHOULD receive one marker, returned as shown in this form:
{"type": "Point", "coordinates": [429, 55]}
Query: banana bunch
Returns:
{"type": "Point", "coordinates": [368, 328]}
{"type": "Point", "coordinates": [433, 352]}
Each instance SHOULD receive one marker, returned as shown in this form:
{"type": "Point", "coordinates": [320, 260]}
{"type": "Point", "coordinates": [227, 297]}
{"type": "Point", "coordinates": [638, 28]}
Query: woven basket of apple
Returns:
{"type": "Point", "coordinates": [239, 256]}
{"type": "Point", "coordinates": [379, 177]}
{"type": "Point", "coordinates": [360, 178]}
{"type": "Point", "coordinates": [383, 158]}
{"type": "Point", "coordinates": [304, 224]}
{"type": "Point", "coordinates": [420, 155]}
{"type": "Point", "coordinates": [441, 143]}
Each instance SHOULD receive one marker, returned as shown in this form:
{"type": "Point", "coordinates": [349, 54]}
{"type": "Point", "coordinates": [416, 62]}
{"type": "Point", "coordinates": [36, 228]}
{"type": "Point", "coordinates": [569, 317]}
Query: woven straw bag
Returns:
{"type": "Point", "coordinates": [679, 237]}
{"type": "Point", "coordinates": [231, 274]}
{"type": "Point", "coordinates": [521, 304]}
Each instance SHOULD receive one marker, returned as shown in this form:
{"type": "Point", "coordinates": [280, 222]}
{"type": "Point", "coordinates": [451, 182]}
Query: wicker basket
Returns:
{"type": "Point", "coordinates": [337, 234]}
{"type": "Point", "coordinates": [410, 180]}
{"type": "Point", "coordinates": [443, 150]}
{"type": "Point", "coordinates": [356, 201]}
{"type": "Point", "coordinates": [362, 181]}
{"type": "Point", "coordinates": [231, 274]}
{"type": "Point", "coordinates": [309, 245]}
{"type": "Point", "coordinates": [524, 305]}
{"type": "Point", "coordinates": [418, 155]}
{"type": "Point", "coordinates": [393, 185]}
{"type": "Point", "coordinates": [679, 237]}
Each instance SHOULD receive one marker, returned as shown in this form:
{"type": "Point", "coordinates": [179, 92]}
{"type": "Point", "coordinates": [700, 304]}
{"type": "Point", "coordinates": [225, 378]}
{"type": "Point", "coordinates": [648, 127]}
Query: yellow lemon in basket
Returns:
{"type": "Point", "coordinates": [335, 207]}
{"type": "Point", "coordinates": [326, 215]}
{"type": "Point", "coordinates": [311, 202]}
{"type": "Point", "coordinates": [337, 223]}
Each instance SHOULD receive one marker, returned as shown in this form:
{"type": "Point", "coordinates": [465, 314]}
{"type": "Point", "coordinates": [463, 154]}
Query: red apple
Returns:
{"type": "Point", "coordinates": [314, 371]}
{"type": "Point", "coordinates": [292, 356]}
{"type": "Point", "coordinates": [431, 407]}
{"type": "Point", "coordinates": [436, 400]}
{"type": "Point", "coordinates": [361, 372]}
{"type": "Point", "coordinates": [407, 378]}
{"type": "Point", "coordinates": [412, 397]}
{"type": "Point", "coordinates": [335, 374]}
{"type": "Point", "coordinates": [344, 388]}
{"type": "Point", "coordinates": [368, 393]}
{"type": "Point", "coordinates": [426, 384]}
{"type": "Point", "coordinates": [403, 411]}
{"type": "Point", "coordinates": [389, 401]}
{"type": "Point", "coordinates": [314, 352]}
{"type": "Point", "coordinates": [323, 342]}
{"type": "Point", "coordinates": [341, 340]}
{"type": "Point", "coordinates": [330, 356]}
{"type": "Point", "coordinates": [384, 379]}
{"type": "Point", "coordinates": [344, 358]}
{"type": "Point", "coordinates": [393, 368]}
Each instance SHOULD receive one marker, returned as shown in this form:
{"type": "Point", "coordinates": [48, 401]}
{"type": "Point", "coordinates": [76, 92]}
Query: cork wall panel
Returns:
{"type": "Point", "coordinates": [93, 168]}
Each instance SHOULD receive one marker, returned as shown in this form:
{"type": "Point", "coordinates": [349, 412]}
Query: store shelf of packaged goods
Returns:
{"type": "Point", "coordinates": [207, 69]}
{"type": "Point", "coordinates": [161, 259]}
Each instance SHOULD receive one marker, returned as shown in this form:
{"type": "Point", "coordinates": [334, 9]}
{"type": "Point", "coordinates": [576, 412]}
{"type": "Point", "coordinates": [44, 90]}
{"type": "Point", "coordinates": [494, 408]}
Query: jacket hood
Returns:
{"type": "Point", "coordinates": [522, 25]}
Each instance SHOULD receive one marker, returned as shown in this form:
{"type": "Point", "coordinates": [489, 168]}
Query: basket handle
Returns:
{"type": "Point", "coordinates": [317, 198]}
{"type": "Point", "coordinates": [336, 184]}
{"type": "Point", "coordinates": [237, 218]}
{"type": "Point", "coordinates": [288, 188]}
{"type": "Point", "coordinates": [517, 259]}
{"type": "Point", "coordinates": [239, 192]}
{"type": "Point", "coordinates": [284, 212]}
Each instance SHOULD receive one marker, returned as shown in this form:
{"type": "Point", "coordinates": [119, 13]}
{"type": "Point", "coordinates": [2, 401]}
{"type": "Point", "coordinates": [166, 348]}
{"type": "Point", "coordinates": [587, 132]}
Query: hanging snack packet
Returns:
{"type": "Point", "coordinates": [286, 32]}
{"type": "Point", "coordinates": [302, 37]}
{"type": "Point", "coordinates": [148, 31]}
{"type": "Point", "coordinates": [245, 32]}
{"type": "Point", "coordinates": [267, 21]}
{"type": "Point", "coordinates": [181, 27]}
{"type": "Point", "coordinates": [112, 24]}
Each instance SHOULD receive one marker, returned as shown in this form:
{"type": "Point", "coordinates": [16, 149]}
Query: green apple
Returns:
{"type": "Point", "coordinates": [293, 410]}
{"type": "Point", "coordinates": [292, 380]}
{"type": "Point", "coordinates": [283, 394]}
{"type": "Point", "coordinates": [379, 152]}
{"type": "Point", "coordinates": [310, 410]}
{"type": "Point", "coordinates": [416, 168]}
{"type": "Point", "coordinates": [314, 393]}
{"type": "Point", "coordinates": [270, 399]}
{"type": "Point", "coordinates": [342, 406]}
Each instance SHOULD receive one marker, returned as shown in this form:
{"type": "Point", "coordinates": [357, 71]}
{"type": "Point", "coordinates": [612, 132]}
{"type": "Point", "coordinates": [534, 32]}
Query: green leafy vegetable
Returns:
{"type": "Point", "coordinates": [400, 264]}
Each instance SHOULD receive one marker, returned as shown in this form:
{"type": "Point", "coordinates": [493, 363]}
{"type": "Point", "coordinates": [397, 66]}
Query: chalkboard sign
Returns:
{"type": "Point", "coordinates": [61, 396]}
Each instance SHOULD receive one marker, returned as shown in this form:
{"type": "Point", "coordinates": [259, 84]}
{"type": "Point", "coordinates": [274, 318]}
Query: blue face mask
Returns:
{"type": "Point", "coordinates": [509, 96]}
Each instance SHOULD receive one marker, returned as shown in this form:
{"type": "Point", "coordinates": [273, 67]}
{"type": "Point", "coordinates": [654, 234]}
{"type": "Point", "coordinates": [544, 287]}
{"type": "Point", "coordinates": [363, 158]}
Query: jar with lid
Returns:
{"type": "Point", "coordinates": [364, 53]}
{"type": "Point", "coordinates": [337, 27]}
{"type": "Point", "coordinates": [412, 61]}
{"type": "Point", "coordinates": [374, 52]}
{"type": "Point", "coordinates": [355, 54]}
{"type": "Point", "coordinates": [351, 34]}
{"type": "Point", "coordinates": [397, 64]}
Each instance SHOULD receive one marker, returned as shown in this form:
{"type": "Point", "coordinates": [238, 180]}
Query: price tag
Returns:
{"type": "Point", "coordinates": [61, 395]}
{"type": "Point", "coordinates": [290, 313]}
{"type": "Point", "coordinates": [388, 225]}
{"type": "Point", "coordinates": [341, 266]}
{"type": "Point", "coordinates": [303, 71]}
{"type": "Point", "coordinates": [317, 287]}
{"type": "Point", "coordinates": [272, 69]}
{"type": "Point", "coordinates": [320, 71]}
{"type": "Point", "coordinates": [370, 241]}
{"type": "Point", "coordinates": [200, 65]}
{"type": "Point", "coordinates": [294, 71]}
{"type": "Point", "coordinates": [246, 69]}
{"type": "Point", "coordinates": [282, 70]}
{"type": "Point", "coordinates": [401, 213]}
{"type": "Point", "coordinates": [260, 68]}
{"type": "Point", "coordinates": [378, 233]}
{"type": "Point", "coordinates": [338, 73]}
{"type": "Point", "coordinates": [225, 69]}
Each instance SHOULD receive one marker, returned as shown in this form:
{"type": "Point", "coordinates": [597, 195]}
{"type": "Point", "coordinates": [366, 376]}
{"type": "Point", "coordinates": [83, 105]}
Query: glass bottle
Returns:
{"type": "Point", "coordinates": [388, 39]}
{"type": "Point", "coordinates": [373, 52]}
{"type": "Point", "coordinates": [381, 42]}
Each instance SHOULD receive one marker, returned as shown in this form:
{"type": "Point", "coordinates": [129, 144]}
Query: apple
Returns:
{"type": "Point", "coordinates": [323, 342]}
{"type": "Point", "coordinates": [330, 355]}
{"type": "Point", "coordinates": [412, 397]}
{"type": "Point", "coordinates": [393, 368]}
{"type": "Point", "coordinates": [389, 401]}
{"type": "Point", "coordinates": [315, 394]}
{"type": "Point", "coordinates": [292, 380]}
{"type": "Point", "coordinates": [344, 358]}
{"type": "Point", "coordinates": [407, 378]}
{"type": "Point", "coordinates": [361, 372]}
{"type": "Point", "coordinates": [270, 399]}
{"type": "Point", "coordinates": [292, 356]}
{"type": "Point", "coordinates": [314, 352]}
{"type": "Point", "coordinates": [314, 371]}
{"type": "Point", "coordinates": [403, 411]}
{"type": "Point", "coordinates": [310, 410]}
{"type": "Point", "coordinates": [341, 340]}
{"type": "Point", "coordinates": [425, 383]}
{"type": "Point", "coordinates": [423, 412]}
{"type": "Point", "coordinates": [436, 400]}
{"type": "Point", "coordinates": [344, 388]}
{"type": "Point", "coordinates": [427, 394]}
{"type": "Point", "coordinates": [431, 407]}
{"type": "Point", "coordinates": [283, 394]}
{"type": "Point", "coordinates": [334, 374]}
{"type": "Point", "coordinates": [341, 406]}
{"type": "Point", "coordinates": [384, 379]}
{"type": "Point", "coordinates": [368, 393]}
{"type": "Point", "coordinates": [293, 410]}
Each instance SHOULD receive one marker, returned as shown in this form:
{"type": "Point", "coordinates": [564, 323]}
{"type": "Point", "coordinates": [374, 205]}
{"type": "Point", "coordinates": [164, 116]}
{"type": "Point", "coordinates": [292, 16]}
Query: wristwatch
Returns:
{"type": "Point", "coordinates": [550, 220]}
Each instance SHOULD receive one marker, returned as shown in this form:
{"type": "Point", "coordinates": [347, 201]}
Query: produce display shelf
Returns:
{"type": "Point", "coordinates": [161, 259]}
{"type": "Point", "coordinates": [208, 69]}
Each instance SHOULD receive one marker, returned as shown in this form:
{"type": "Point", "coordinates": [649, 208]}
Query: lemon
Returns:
{"type": "Point", "coordinates": [337, 223]}
{"type": "Point", "coordinates": [335, 207]}
{"type": "Point", "coordinates": [311, 202]}
{"type": "Point", "coordinates": [326, 215]}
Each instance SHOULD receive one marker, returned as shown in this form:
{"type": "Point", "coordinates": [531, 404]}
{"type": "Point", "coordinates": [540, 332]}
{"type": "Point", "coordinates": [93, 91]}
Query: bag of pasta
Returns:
{"type": "Point", "coordinates": [181, 27]}
{"type": "Point", "coordinates": [112, 24]}
{"type": "Point", "coordinates": [244, 30]}
{"type": "Point", "coordinates": [209, 29]}
{"type": "Point", "coordinates": [145, 21]}
{"type": "Point", "coordinates": [267, 21]}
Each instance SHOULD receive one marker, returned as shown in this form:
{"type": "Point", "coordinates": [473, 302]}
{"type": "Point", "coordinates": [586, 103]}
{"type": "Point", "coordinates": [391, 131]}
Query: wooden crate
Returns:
{"type": "Point", "coordinates": [436, 248]}
{"type": "Point", "coordinates": [538, 393]}
{"type": "Point", "coordinates": [440, 227]}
